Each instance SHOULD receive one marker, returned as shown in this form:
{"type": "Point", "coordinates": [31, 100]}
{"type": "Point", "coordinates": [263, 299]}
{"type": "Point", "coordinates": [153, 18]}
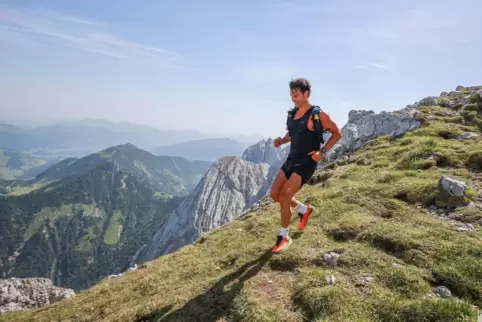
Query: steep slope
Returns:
{"type": "Point", "coordinates": [204, 149]}
{"type": "Point", "coordinates": [385, 244]}
{"type": "Point", "coordinates": [230, 187]}
{"type": "Point", "coordinates": [19, 165]}
{"type": "Point", "coordinates": [172, 175]}
{"type": "Point", "coordinates": [81, 228]}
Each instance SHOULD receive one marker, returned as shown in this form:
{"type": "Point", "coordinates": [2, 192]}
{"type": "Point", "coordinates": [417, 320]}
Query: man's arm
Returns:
{"type": "Point", "coordinates": [331, 126]}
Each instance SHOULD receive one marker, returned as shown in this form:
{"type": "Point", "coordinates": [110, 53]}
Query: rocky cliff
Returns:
{"type": "Point", "coordinates": [26, 293]}
{"type": "Point", "coordinates": [364, 126]}
{"type": "Point", "coordinates": [230, 187]}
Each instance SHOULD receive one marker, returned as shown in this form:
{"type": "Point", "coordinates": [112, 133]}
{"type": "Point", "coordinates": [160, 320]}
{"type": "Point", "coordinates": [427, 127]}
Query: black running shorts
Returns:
{"type": "Point", "coordinates": [305, 167]}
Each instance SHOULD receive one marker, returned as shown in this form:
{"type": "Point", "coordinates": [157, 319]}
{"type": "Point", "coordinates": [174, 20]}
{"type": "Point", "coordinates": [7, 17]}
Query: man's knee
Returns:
{"type": "Point", "coordinates": [285, 195]}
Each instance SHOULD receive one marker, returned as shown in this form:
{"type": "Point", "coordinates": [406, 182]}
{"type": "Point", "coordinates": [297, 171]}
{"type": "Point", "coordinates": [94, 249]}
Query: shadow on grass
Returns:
{"type": "Point", "coordinates": [216, 302]}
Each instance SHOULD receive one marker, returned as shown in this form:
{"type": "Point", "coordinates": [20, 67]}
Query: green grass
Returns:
{"type": "Point", "coordinates": [112, 234]}
{"type": "Point", "coordinates": [371, 210]}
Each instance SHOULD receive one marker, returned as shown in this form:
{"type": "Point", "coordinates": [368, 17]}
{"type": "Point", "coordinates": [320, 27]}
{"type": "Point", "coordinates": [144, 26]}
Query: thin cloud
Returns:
{"type": "Point", "coordinates": [55, 28]}
{"type": "Point", "coordinates": [373, 66]}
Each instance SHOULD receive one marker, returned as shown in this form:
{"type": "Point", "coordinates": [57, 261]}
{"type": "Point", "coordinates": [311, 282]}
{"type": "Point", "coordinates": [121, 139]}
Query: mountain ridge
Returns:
{"type": "Point", "coordinates": [173, 175]}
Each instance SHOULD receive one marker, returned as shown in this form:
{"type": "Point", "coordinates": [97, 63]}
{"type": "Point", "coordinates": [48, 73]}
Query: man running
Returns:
{"type": "Point", "coordinates": [305, 153]}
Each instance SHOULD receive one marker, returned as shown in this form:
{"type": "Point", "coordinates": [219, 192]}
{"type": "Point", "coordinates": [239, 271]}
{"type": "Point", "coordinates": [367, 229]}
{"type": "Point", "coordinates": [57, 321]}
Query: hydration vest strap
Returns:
{"type": "Point", "coordinates": [317, 122]}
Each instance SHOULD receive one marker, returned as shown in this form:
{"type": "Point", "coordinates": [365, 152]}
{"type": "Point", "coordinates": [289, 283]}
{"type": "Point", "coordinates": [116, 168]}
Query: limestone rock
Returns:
{"type": "Point", "coordinates": [364, 126]}
{"type": "Point", "coordinates": [451, 192]}
{"type": "Point", "coordinates": [443, 292]}
{"type": "Point", "coordinates": [428, 101]}
{"type": "Point", "coordinates": [331, 257]}
{"type": "Point", "coordinates": [453, 187]}
{"type": "Point", "coordinates": [330, 280]}
{"type": "Point", "coordinates": [467, 135]}
{"type": "Point", "coordinates": [264, 152]}
{"type": "Point", "coordinates": [26, 293]}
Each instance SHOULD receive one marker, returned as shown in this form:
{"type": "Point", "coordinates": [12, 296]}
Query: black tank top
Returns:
{"type": "Point", "coordinates": [303, 141]}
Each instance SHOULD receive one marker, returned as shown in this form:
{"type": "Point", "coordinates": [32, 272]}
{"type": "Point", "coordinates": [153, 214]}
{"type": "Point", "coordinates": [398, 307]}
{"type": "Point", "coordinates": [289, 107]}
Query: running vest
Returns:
{"type": "Point", "coordinates": [303, 141]}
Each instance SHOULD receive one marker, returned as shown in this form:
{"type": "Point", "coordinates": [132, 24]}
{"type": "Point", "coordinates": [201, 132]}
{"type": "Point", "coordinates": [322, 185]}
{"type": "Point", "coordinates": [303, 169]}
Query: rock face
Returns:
{"type": "Point", "coordinates": [25, 293]}
{"type": "Point", "coordinates": [364, 126]}
{"type": "Point", "coordinates": [264, 152]}
{"type": "Point", "coordinates": [231, 186]}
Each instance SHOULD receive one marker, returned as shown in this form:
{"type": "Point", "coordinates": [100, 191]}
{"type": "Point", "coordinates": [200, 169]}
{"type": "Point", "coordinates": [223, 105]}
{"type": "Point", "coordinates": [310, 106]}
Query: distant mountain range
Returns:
{"type": "Point", "coordinates": [78, 138]}
{"type": "Point", "coordinates": [204, 149]}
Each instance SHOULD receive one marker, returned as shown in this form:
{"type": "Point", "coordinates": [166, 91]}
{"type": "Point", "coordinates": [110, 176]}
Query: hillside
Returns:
{"type": "Point", "coordinates": [167, 174]}
{"type": "Point", "coordinates": [78, 230]}
{"type": "Point", "coordinates": [204, 149]}
{"type": "Point", "coordinates": [19, 165]}
{"type": "Point", "coordinates": [386, 244]}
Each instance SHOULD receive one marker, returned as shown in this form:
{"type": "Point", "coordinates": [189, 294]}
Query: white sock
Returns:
{"type": "Point", "coordinates": [301, 208]}
{"type": "Point", "coordinates": [284, 232]}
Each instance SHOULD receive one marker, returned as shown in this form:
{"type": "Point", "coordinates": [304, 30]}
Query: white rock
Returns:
{"type": "Point", "coordinates": [25, 293]}
{"type": "Point", "coordinates": [453, 187]}
{"type": "Point", "coordinates": [330, 257]}
{"type": "Point", "coordinates": [330, 279]}
{"type": "Point", "coordinates": [467, 135]}
{"type": "Point", "coordinates": [443, 291]}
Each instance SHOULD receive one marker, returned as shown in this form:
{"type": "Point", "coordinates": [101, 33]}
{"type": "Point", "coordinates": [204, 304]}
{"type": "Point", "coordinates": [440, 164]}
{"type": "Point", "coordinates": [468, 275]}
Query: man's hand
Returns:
{"type": "Point", "coordinates": [277, 142]}
{"type": "Point", "coordinates": [316, 155]}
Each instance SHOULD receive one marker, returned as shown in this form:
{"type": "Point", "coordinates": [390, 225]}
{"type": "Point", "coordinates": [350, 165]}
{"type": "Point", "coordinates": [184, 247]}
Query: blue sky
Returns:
{"type": "Point", "coordinates": [224, 66]}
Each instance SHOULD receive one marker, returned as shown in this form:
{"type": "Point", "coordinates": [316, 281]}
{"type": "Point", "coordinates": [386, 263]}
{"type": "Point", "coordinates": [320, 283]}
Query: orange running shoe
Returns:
{"type": "Point", "coordinates": [282, 243]}
{"type": "Point", "coordinates": [304, 217]}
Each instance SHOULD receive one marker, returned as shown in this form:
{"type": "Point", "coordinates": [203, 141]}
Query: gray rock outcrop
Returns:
{"type": "Point", "coordinates": [264, 152]}
{"type": "Point", "coordinates": [26, 293]}
{"type": "Point", "coordinates": [231, 186]}
{"type": "Point", "coordinates": [364, 126]}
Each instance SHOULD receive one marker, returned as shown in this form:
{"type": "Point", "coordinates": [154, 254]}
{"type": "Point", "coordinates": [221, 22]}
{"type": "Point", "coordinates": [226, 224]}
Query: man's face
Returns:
{"type": "Point", "coordinates": [298, 98]}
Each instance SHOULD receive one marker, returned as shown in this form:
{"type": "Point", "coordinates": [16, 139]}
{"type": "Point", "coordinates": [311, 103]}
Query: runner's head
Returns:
{"type": "Point", "coordinates": [300, 90]}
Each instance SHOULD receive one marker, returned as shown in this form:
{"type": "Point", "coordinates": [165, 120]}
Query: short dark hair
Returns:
{"type": "Point", "coordinates": [300, 84]}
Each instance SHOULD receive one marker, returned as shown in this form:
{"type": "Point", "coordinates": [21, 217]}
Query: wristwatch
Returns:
{"type": "Point", "coordinates": [323, 149]}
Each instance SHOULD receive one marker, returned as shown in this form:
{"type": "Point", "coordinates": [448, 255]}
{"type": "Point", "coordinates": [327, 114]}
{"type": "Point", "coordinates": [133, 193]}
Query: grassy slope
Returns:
{"type": "Point", "coordinates": [372, 207]}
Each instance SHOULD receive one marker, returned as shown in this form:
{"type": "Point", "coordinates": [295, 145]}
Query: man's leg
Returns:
{"type": "Point", "coordinates": [305, 173]}
{"type": "Point", "coordinates": [290, 188]}
{"type": "Point", "coordinates": [277, 187]}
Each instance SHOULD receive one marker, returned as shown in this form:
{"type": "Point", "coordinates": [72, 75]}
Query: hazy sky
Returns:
{"type": "Point", "coordinates": [225, 65]}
